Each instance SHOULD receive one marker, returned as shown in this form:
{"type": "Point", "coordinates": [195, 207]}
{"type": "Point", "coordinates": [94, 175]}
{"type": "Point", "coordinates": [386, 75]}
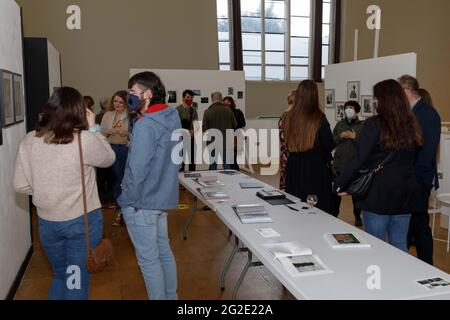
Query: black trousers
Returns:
{"type": "Point", "coordinates": [419, 229]}
{"type": "Point", "coordinates": [191, 156]}
{"type": "Point", "coordinates": [356, 210]}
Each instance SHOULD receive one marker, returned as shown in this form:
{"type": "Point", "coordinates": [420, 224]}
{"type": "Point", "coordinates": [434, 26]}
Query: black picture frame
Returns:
{"type": "Point", "coordinates": [19, 98]}
{"type": "Point", "coordinates": [367, 109]}
{"type": "Point", "coordinates": [340, 114]}
{"type": "Point", "coordinates": [6, 99]}
{"type": "Point", "coordinates": [330, 98]}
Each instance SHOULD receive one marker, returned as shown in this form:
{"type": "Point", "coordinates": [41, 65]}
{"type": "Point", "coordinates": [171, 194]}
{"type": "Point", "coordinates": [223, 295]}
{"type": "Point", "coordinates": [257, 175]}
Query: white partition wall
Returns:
{"type": "Point", "coordinates": [367, 73]}
{"type": "Point", "coordinates": [15, 238]}
{"type": "Point", "coordinates": [207, 81]}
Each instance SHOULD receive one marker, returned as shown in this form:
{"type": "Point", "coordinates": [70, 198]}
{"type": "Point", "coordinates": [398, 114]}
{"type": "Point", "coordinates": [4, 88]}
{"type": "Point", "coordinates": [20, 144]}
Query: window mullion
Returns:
{"type": "Point", "coordinates": [231, 33]}
{"type": "Point", "coordinates": [263, 40]}
{"type": "Point", "coordinates": [288, 39]}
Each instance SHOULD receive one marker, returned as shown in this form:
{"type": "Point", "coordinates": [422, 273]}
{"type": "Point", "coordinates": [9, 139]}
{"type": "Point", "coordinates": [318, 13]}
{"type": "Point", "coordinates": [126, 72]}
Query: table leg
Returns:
{"type": "Point", "coordinates": [249, 264]}
{"type": "Point", "coordinates": [228, 264]}
{"type": "Point", "coordinates": [191, 215]}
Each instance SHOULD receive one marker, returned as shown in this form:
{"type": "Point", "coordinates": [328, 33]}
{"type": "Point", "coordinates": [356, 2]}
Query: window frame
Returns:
{"type": "Point", "coordinates": [314, 39]}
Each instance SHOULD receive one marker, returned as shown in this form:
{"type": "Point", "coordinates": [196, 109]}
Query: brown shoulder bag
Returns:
{"type": "Point", "coordinates": [102, 254]}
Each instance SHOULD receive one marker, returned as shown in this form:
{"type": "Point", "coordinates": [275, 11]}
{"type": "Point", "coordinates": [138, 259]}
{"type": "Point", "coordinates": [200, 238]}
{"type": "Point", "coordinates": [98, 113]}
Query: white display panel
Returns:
{"type": "Point", "coordinates": [367, 73]}
{"type": "Point", "coordinates": [207, 81]}
{"type": "Point", "coordinates": [15, 238]}
{"type": "Point", "coordinates": [54, 67]}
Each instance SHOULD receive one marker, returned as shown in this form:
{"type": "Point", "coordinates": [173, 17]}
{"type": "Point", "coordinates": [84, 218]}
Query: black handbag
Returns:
{"type": "Point", "coordinates": [360, 185]}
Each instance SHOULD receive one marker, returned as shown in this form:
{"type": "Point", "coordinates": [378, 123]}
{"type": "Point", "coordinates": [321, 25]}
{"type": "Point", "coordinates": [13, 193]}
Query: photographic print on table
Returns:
{"type": "Point", "coordinates": [172, 97]}
{"type": "Point", "coordinates": [329, 98]}
{"type": "Point", "coordinates": [340, 111]}
{"type": "Point", "coordinates": [353, 88]}
{"type": "Point", "coordinates": [18, 98]}
{"type": "Point", "coordinates": [7, 101]}
{"type": "Point", "coordinates": [367, 106]}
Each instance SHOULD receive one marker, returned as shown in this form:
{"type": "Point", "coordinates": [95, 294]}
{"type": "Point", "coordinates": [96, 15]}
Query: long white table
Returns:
{"type": "Point", "coordinates": [399, 271]}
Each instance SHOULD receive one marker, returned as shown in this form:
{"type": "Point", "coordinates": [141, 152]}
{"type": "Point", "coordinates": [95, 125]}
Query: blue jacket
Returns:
{"type": "Point", "coordinates": [430, 122]}
{"type": "Point", "coordinates": [151, 178]}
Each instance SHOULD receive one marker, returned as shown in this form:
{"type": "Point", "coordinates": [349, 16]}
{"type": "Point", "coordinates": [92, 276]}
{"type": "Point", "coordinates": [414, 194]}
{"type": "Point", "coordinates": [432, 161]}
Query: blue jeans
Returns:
{"type": "Point", "coordinates": [118, 168]}
{"type": "Point", "coordinates": [395, 226]}
{"type": "Point", "coordinates": [149, 234]}
{"type": "Point", "coordinates": [227, 165]}
{"type": "Point", "coordinates": [64, 244]}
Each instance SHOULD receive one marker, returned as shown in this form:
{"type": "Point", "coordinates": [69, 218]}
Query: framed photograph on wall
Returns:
{"type": "Point", "coordinates": [172, 97]}
{"type": "Point", "coordinates": [367, 106]}
{"type": "Point", "coordinates": [6, 98]}
{"type": "Point", "coordinates": [353, 92]}
{"type": "Point", "coordinates": [329, 98]}
{"type": "Point", "coordinates": [18, 98]}
{"type": "Point", "coordinates": [340, 111]}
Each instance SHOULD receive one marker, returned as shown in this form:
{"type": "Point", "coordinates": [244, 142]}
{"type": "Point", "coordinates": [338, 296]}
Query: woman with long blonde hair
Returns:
{"type": "Point", "coordinates": [309, 141]}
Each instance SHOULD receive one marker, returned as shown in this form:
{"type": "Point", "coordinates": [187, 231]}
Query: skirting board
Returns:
{"type": "Point", "coordinates": [15, 286]}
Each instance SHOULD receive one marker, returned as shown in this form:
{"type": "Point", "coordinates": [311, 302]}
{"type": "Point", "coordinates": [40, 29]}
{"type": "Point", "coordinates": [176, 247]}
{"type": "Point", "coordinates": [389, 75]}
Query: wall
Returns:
{"type": "Point", "coordinates": [407, 26]}
{"type": "Point", "coordinates": [118, 35]}
{"type": "Point", "coordinates": [15, 238]}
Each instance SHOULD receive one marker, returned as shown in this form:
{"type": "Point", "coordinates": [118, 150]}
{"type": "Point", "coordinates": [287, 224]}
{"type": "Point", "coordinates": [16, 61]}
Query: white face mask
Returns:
{"type": "Point", "coordinates": [350, 113]}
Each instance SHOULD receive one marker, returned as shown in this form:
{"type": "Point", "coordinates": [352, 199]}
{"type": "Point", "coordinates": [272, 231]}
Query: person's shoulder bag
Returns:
{"type": "Point", "coordinates": [360, 185]}
{"type": "Point", "coordinates": [101, 255]}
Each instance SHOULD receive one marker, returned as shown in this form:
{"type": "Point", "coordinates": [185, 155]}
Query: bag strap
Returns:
{"type": "Point", "coordinates": [83, 187]}
{"type": "Point", "coordinates": [383, 163]}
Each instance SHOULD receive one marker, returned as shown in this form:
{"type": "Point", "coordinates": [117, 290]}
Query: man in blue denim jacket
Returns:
{"type": "Point", "coordinates": [150, 184]}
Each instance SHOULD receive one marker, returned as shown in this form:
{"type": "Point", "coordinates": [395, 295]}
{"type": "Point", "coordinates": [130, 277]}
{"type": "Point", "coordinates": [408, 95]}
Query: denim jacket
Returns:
{"type": "Point", "coordinates": [151, 178]}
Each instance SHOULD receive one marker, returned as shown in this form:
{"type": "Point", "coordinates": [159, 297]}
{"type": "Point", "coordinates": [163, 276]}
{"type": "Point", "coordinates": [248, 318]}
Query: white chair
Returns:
{"type": "Point", "coordinates": [441, 199]}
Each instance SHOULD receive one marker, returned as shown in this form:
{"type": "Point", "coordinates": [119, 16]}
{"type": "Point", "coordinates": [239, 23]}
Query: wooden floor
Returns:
{"type": "Point", "coordinates": [200, 260]}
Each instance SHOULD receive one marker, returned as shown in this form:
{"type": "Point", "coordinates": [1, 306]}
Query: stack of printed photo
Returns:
{"type": "Point", "coordinates": [210, 182]}
{"type": "Point", "coordinates": [214, 194]}
{"type": "Point", "coordinates": [346, 240]}
{"type": "Point", "coordinates": [252, 213]}
{"type": "Point", "coordinates": [297, 259]}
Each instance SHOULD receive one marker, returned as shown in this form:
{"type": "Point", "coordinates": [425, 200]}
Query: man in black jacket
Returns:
{"type": "Point", "coordinates": [426, 167]}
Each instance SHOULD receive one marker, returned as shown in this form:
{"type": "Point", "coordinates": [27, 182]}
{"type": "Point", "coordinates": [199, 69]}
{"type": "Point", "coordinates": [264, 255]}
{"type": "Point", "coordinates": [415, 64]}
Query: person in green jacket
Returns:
{"type": "Point", "coordinates": [345, 136]}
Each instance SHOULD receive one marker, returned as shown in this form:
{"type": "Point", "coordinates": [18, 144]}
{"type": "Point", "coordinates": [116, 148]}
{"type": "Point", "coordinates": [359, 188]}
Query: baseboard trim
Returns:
{"type": "Point", "coordinates": [15, 286]}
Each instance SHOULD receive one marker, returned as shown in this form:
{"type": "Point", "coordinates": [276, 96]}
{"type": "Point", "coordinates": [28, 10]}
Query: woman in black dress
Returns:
{"type": "Point", "coordinates": [310, 142]}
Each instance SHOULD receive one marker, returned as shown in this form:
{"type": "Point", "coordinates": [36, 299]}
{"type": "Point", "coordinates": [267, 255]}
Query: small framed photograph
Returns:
{"type": "Point", "coordinates": [353, 88]}
{"type": "Point", "coordinates": [240, 95]}
{"type": "Point", "coordinates": [367, 106]}
{"type": "Point", "coordinates": [197, 92]}
{"type": "Point", "coordinates": [329, 98]}
{"type": "Point", "coordinates": [204, 100]}
{"type": "Point", "coordinates": [6, 98]}
{"type": "Point", "coordinates": [18, 98]}
{"type": "Point", "coordinates": [340, 114]}
{"type": "Point", "coordinates": [230, 91]}
{"type": "Point", "coordinates": [172, 97]}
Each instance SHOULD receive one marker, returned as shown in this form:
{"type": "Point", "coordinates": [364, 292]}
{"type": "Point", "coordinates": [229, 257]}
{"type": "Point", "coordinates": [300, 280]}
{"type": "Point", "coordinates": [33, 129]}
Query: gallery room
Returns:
{"type": "Point", "coordinates": [257, 150]}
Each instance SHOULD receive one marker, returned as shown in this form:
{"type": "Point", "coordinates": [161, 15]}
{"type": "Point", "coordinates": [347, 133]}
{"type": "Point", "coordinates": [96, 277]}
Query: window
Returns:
{"type": "Point", "coordinates": [326, 33]}
{"type": "Point", "coordinates": [276, 37]}
{"type": "Point", "coordinates": [223, 26]}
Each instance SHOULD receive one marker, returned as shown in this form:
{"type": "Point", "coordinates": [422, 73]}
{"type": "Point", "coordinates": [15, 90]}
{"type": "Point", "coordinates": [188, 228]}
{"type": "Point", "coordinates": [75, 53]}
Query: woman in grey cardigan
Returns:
{"type": "Point", "coordinates": [48, 169]}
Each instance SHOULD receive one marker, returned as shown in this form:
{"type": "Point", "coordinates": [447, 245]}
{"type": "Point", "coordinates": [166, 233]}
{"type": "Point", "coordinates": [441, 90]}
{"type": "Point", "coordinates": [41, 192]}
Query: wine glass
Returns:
{"type": "Point", "coordinates": [312, 200]}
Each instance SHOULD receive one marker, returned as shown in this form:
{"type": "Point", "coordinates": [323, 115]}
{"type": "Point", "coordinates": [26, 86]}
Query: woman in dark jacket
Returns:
{"type": "Point", "coordinates": [346, 135]}
{"type": "Point", "coordinates": [394, 193]}
{"type": "Point", "coordinates": [309, 142]}
{"type": "Point", "coordinates": [241, 123]}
